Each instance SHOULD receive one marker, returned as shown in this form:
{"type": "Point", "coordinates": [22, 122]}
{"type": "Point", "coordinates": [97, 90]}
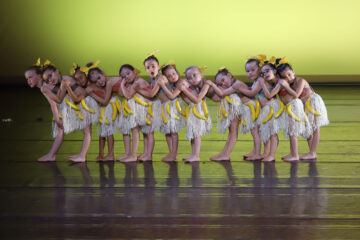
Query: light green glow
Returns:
{"type": "Point", "coordinates": [318, 37]}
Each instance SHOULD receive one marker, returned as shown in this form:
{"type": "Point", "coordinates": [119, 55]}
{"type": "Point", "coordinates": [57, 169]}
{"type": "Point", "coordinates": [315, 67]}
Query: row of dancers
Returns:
{"type": "Point", "coordinates": [277, 100]}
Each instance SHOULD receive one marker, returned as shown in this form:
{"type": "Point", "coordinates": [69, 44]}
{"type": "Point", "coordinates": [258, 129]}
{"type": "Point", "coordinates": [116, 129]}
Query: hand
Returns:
{"type": "Point", "coordinates": [209, 82]}
{"type": "Point", "coordinates": [89, 90]}
{"type": "Point", "coordinates": [66, 82]}
{"type": "Point", "coordinates": [283, 82]}
{"type": "Point", "coordinates": [59, 123]}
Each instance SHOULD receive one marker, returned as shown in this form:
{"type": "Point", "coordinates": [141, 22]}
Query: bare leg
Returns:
{"type": "Point", "coordinates": [273, 142]}
{"type": "Point", "coordinates": [146, 142]}
{"type": "Point", "coordinates": [135, 144]}
{"type": "Point", "coordinates": [126, 140]}
{"type": "Point", "coordinates": [101, 148]}
{"type": "Point", "coordinates": [54, 148]}
{"type": "Point", "coordinates": [192, 143]}
{"type": "Point", "coordinates": [315, 139]}
{"type": "Point", "coordinates": [195, 156]}
{"type": "Point", "coordinates": [293, 150]}
{"type": "Point", "coordinates": [224, 155]}
{"type": "Point", "coordinates": [257, 145]}
{"type": "Point", "coordinates": [110, 156]}
{"type": "Point", "coordinates": [151, 145]}
{"type": "Point", "coordinates": [81, 157]}
{"type": "Point", "coordinates": [173, 149]}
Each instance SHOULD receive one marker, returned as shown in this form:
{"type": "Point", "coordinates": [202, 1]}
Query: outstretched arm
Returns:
{"type": "Point", "coordinates": [220, 92]}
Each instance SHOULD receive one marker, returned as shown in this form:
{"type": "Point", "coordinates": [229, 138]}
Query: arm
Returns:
{"type": "Point", "coordinates": [76, 98]}
{"type": "Point", "coordinates": [58, 98]}
{"type": "Point", "coordinates": [220, 92]}
{"type": "Point", "coordinates": [254, 89]}
{"type": "Point", "coordinates": [128, 92]}
{"type": "Point", "coordinates": [298, 91]}
{"type": "Point", "coordinates": [169, 94]}
{"type": "Point", "coordinates": [192, 97]}
{"type": "Point", "coordinates": [273, 92]}
{"type": "Point", "coordinates": [55, 112]}
{"type": "Point", "coordinates": [147, 93]}
{"type": "Point", "coordinates": [102, 100]}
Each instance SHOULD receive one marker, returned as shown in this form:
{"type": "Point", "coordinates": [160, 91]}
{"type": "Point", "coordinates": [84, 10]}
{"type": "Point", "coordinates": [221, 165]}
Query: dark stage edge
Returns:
{"type": "Point", "coordinates": [156, 200]}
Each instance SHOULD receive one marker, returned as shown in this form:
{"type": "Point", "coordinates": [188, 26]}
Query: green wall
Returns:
{"type": "Point", "coordinates": [318, 36]}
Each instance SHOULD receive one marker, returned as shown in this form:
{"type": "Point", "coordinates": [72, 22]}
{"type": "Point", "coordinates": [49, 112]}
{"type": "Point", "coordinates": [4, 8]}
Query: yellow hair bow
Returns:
{"type": "Point", "coordinates": [137, 71]}
{"type": "Point", "coordinates": [87, 69]}
{"type": "Point", "coordinates": [272, 60]}
{"type": "Point", "coordinates": [48, 63]}
{"type": "Point", "coordinates": [38, 64]}
{"type": "Point", "coordinates": [152, 53]}
{"type": "Point", "coordinates": [221, 69]}
{"type": "Point", "coordinates": [171, 62]}
{"type": "Point", "coordinates": [282, 61]}
{"type": "Point", "coordinates": [73, 70]}
{"type": "Point", "coordinates": [202, 69]}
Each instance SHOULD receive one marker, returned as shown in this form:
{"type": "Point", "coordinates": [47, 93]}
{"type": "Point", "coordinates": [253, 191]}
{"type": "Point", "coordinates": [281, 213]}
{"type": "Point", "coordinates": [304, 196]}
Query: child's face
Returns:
{"type": "Point", "coordinates": [268, 73]}
{"type": "Point", "coordinates": [128, 75]}
{"type": "Point", "coordinates": [194, 76]}
{"type": "Point", "coordinates": [224, 80]}
{"type": "Point", "coordinates": [252, 70]}
{"type": "Point", "coordinates": [32, 78]}
{"type": "Point", "coordinates": [152, 68]}
{"type": "Point", "coordinates": [80, 78]}
{"type": "Point", "coordinates": [52, 77]}
{"type": "Point", "coordinates": [97, 77]}
{"type": "Point", "coordinates": [288, 74]}
{"type": "Point", "coordinates": [172, 75]}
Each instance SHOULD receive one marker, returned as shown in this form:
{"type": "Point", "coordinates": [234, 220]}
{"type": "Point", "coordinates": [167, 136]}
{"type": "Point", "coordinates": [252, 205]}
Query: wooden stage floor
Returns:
{"type": "Point", "coordinates": [156, 200]}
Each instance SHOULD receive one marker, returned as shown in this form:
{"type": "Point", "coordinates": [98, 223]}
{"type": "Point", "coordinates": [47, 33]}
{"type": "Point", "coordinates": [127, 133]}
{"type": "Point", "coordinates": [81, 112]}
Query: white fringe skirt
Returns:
{"type": "Point", "coordinates": [90, 113]}
{"type": "Point", "coordinates": [108, 119]}
{"type": "Point", "coordinates": [173, 119]}
{"type": "Point", "coordinates": [54, 126]}
{"type": "Point", "coordinates": [228, 111]}
{"type": "Point", "coordinates": [71, 115]}
{"type": "Point", "coordinates": [271, 119]}
{"type": "Point", "coordinates": [195, 126]}
{"type": "Point", "coordinates": [296, 121]}
{"type": "Point", "coordinates": [126, 120]}
{"type": "Point", "coordinates": [247, 122]}
{"type": "Point", "coordinates": [316, 111]}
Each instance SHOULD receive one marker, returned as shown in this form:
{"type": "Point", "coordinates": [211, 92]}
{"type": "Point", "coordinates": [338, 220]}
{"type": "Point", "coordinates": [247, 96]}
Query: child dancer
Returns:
{"type": "Point", "coordinates": [272, 118]}
{"type": "Point", "coordinates": [87, 108]}
{"type": "Point", "coordinates": [127, 121]}
{"type": "Point", "coordinates": [198, 118]}
{"type": "Point", "coordinates": [251, 108]}
{"type": "Point", "coordinates": [172, 110]}
{"type": "Point", "coordinates": [108, 113]}
{"type": "Point", "coordinates": [314, 105]}
{"type": "Point", "coordinates": [33, 75]}
{"type": "Point", "coordinates": [296, 122]}
{"type": "Point", "coordinates": [229, 113]}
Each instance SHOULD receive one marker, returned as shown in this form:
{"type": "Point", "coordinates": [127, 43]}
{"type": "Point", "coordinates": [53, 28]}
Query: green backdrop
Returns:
{"type": "Point", "coordinates": [318, 37]}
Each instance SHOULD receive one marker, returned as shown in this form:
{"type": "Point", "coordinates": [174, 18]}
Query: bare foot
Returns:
{"type": "Point", "coordinates": [122, 157]}
{"type": "Point", "coordinates": [145, 158]}
{"type": "Point", "coordinates": [220, 157]}
{"type": "Point", "coordinates": [193, 158]}
{"type": "Point", "coordinates": [254, 158]}
{"type": "Point", "coordinates": [291, 158]}
{"type": "Point", "coordinates": [309, 156]}
{"type": "Point", "coordinates": [78, 159]}
{"type": "Point", "coordinates": [141, 156]}
{"type": "Point", "coordinates": [169, 158]}
{"type": "Point", "coordinates": [99, 158]}
{"type": "Point", "coordinates": [268, 159]}
{"type": "Point", "coordinates": [47, 158]}
{"type": "Point", "coordinates": [185, 158]}
{"type": "Point", "coordinates": [287, 156]}
{"type": "Point", "coordinates": [249, 155]}
{"type": "Point", "coordinates": [109, 157]}
{"type": "Point", "coordinates": [129, 159]}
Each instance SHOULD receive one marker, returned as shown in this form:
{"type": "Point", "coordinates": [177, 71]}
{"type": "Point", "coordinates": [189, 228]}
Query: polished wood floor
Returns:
{"type": "Point", "coordinates": [156, 200]}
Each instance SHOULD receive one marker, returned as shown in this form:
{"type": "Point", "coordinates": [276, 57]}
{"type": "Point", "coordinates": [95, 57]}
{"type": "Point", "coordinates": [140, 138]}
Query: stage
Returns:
{"type": "Point", "coordinates": [155, 200]}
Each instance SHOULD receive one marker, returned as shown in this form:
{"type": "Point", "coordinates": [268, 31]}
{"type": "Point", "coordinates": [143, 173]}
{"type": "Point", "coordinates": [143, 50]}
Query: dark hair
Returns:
{"type": "Point", "coordinates": [272, 66]}
{"type": "Point", "coordinates": [223, 71]}
{"type": "Point", "coordinates": [282, 67]}
{"type": "Point", "coordinates": [151, 57]}
{"type": "Point", "coordinates": [190, 67]}
{"type": "Point", "coordinates": [96, 69]}
{"type": "Point", "coordinates": [37, 69]}
{"type": "Point", "coordinates": [50, 67]}
{"type": "Point", "coordinates": [128, 66]}
{"type": "Point", "coordinates": [167, 67]}
{"type": "Point", "coordinates": [253, 60]}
